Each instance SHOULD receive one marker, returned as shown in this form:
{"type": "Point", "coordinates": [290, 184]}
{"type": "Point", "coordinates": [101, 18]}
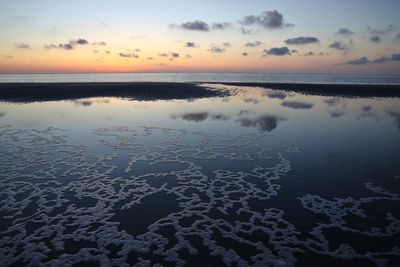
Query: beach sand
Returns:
{"type": "Point", "coordinates": [31, 92]}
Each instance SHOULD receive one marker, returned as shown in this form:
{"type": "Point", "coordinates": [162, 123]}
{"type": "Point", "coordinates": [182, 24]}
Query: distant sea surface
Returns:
{"type": "Point", "coordinates": [198, 77]}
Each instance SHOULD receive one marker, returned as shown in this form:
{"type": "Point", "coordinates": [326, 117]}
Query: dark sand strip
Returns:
{"type": "Point", "coordinates": [347, 90]}
{"type": "Point", "coordinates": [32, 92]}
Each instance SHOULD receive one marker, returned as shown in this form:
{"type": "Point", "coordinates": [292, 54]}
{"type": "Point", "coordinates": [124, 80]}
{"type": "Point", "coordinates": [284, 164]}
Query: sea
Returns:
{"type": "Point", "coordinates": [199, 77]}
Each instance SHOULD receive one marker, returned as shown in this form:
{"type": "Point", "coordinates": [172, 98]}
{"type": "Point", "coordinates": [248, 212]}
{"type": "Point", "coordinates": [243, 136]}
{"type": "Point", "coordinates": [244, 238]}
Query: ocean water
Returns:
{"type": "Point", "coordinates": [258, 178]}
{"type": "Point", "coordinates": [200, 77]}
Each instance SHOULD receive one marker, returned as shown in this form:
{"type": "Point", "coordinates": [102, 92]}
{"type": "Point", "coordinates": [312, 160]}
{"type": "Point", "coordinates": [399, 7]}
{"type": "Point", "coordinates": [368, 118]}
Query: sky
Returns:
{"type": "Point", "coordinates": [240, 36]}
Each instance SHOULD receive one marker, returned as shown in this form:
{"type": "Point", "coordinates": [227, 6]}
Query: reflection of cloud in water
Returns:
{"type": "Point", "coordinates": [83, 103]}
{"type": "Point", "coordinates": [89, 102]}
{"type": "Point", "coordinates": [366, 108]}
{"type": "Point", "coordinates": [276, 95]}
{"type": "Point", "coordinates": [369, 115]}
{"type": "Point", "coordinates": [333, 101]}
{"type": "Point", "coordinates": [251, 100]}
{"type": "Point", "coordinates": [2, 114]}
{"type": "Point", "coordinates": [396, 116]}
{"type": "Point", "coordinates": [244, 112]}
{"type": "Point", "coordinates": [201, 116]}
{"type": "Point", "coordinates": [196, 116]}
{"type": "Point", "coordinates": [219, 117]}
{"type": "Point", "coordinates": [335, 114]}
{"type": "Point", "coordinates": [263, 123]}
{"type": "Point", "coordinates": [297, 105]}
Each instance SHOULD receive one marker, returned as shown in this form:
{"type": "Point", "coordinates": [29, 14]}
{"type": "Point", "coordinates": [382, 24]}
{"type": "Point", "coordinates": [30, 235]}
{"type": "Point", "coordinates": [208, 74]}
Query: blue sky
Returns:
{"type": "Point", "coordinates": [128, 26]}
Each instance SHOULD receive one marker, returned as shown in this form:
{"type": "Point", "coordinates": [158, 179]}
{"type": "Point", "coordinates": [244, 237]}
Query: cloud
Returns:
{"type": "Point", "coordinates": [360, 61]}
{"type": "Point", "coordinates": [171, 55]}
{"type": "Point", "coordinates": [99, 43]}
{"type": "Point", "coordinates": [344, 31]}
{"type": "Point", "coordinates": [188, 56]}
{"type": "Point", "coordinates": [380, 60]}
{"type": "Point", "coordinates": [375, 39]}
{"type": "Point", "coordinates": [190, 44]}
{"type": "Point", "coordinates": [245, 54]}
{"type": "Point", "coordinates": [253, 44]}
{"type": "Point", "coordinates": [311, 53]}
{"type": "Point", "coordinates": [67, 46]}
{"type": "Point", "coordinates": [98, 51]}
{"type": "Point", "coordinates": [302, 40]}
{"type": "Point", "coordinates": [196, 25]}
{"type": "Point", "coordinates": [221, 25]}
{"type": "Point", "coordinates": [216, 50]}
{"type": "Point", "coordinates": [80, 41]}
{"type": "Point", "coordinates": [199, 25]}
{"type": "Point", "coordinates": [365, 60]}
{"type": "Point", "coordinates": [2, 114]}
{"type": "Point", "coordinates": [389, 29]}
{"type": "Point", "coordinates": [127, 55]}
{"type": "Point", "coordinates": [297, 105]}
{"type": "Point", "coordinates": [61, 46]}
{"type": "Point", "coordinates": [227, 44]}
{"type": "Point", "coordinates": [339, 46]}
{"type": "Point", "coordinates": [22, 46]}
{"type": "Point", "coordinates": [277, 51]}
{"type": "Point", "coordinates": [174, 55]}
{"type": "Point", "coordinates": [245, 31]}
{"type": "Point", "coordinates": [264, 122]}
{"type": "Point", "coordinates": [268, 19]}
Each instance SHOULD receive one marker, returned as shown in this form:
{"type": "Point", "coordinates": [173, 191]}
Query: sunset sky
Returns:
{"type": "Point", "coordinates": [261, 36]}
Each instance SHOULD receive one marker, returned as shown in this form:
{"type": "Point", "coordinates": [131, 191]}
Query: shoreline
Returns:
{"type": "Point", "coordinates": [40, 92]}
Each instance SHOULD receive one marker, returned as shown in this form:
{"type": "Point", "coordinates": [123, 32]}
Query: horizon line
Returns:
{"type": "Point", "coordinates": [194, 72]}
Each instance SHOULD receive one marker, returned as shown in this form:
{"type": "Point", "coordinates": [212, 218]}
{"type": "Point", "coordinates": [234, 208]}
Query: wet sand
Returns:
{"type": "Point", "coordinates": [31, 92]}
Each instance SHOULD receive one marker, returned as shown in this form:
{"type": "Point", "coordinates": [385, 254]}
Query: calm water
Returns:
{"type": "Point", "coordinates": [261, 178]}
{"type": "Point", "coordinates": [202, 77]}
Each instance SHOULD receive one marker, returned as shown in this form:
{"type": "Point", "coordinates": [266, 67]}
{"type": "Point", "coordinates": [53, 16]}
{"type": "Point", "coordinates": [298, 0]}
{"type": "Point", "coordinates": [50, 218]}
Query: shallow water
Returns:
{"type": "Point", "coordinates": [262, 177]}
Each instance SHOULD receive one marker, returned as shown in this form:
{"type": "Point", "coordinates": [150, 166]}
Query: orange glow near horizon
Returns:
{"type": "Point", "coordinates": [84, 60]}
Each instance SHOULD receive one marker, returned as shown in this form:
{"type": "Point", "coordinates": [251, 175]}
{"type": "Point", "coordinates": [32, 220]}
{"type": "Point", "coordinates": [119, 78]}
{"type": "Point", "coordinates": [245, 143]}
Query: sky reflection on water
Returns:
{"type": "Point", "coordinates": [318, 160]}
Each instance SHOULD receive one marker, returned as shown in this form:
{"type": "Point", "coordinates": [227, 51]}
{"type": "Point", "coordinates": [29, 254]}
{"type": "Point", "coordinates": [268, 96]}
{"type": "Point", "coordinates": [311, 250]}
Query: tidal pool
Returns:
{"type": "Point", "coordinates": [259, 178]}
